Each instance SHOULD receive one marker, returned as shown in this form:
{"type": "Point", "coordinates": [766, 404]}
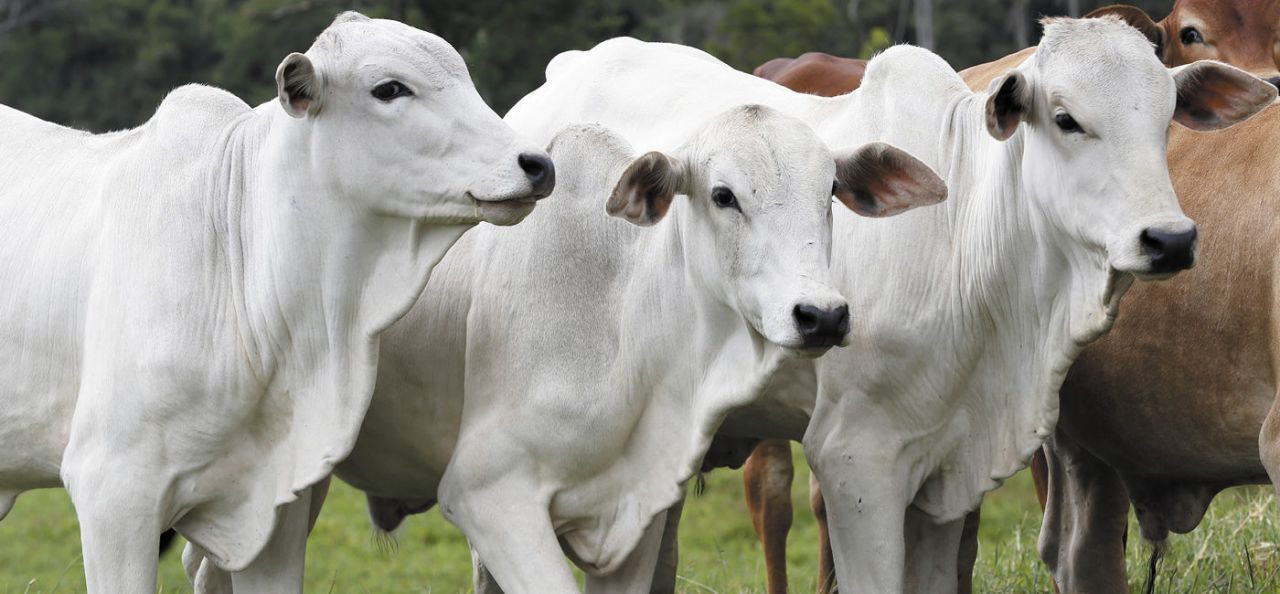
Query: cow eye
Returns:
{"type": "Point", "coordinates": [1066, 123]}
{"type": "Point", "coordinates": [1190, 35]}
{"type": "Point", "coordinates": [724, 198]}
{"type": "Point", "coordinates": [390, 90]}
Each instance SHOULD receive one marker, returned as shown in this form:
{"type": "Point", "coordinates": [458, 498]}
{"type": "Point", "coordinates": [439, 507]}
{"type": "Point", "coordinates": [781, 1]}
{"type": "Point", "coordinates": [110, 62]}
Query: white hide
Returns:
{"type": "Point", "coordinates": [964, 317]}
{"type": "Point", "coordinates": [598, 357]}
{"type": "Point", "coordinates": [189, 309]}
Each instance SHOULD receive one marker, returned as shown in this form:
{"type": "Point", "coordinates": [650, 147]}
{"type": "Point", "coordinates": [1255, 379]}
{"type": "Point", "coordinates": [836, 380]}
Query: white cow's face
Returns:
{"type": "Point", "coordinates": [397, 127]}
{"type": "Point", "coordinates": [757, 224]}
{"type": "Point", "coordinates": [1098, 103]}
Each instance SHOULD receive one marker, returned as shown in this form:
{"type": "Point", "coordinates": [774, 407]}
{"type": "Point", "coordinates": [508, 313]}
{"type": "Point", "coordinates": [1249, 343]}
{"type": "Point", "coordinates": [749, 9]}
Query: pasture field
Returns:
{"type": "Point", "coordinates": [1235, 550]}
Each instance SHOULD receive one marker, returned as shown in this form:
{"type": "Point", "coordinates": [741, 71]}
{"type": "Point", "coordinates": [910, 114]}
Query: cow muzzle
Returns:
{"type": "Point", "coordinates": [821, 327]}
{"type": "Point", "coordinates": [1169, 251]}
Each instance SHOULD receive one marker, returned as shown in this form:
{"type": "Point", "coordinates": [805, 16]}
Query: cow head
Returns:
{"type": "Point", "coordinates": [1243, 33]}
{"type": "Point", "coordinates": [396, 126]}
{"type": "Point", "coordinates": [757, 222]}
{"type": "Point", "coordinates": [1097, 106]}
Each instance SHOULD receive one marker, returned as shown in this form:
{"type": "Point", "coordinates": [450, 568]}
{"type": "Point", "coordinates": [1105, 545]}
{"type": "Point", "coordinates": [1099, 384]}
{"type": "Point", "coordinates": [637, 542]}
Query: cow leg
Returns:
{"type": "Point", "coordinates": [664, 578]}
{"type": "Point", "coordinates": [279, 567]}
{"type": "Point", "coordinates": [1040, 476]}
{"type": "Point", "coordinates": [208, 579]}
{"type": "Point", "coordinates": [932, 550]}
{"type": "Point", "coordinates": [481, 580]}
{"type": "Point", "coordinates": [519, 545]}
{"type": "Point", "coordinates": [767, 477]}
{"type": "Point", "coordinates": [826, 562]}
{"type": "Point", "coordinates": [968, 551]}
{"type": "Point", "coordinates": [1086, 516]}
{"type": "Point", "coordinates": [120, 526]}
{"type": "Point", "coordinates": [866, 493]}
{"type": "Point", "coordinates": [635, 574]}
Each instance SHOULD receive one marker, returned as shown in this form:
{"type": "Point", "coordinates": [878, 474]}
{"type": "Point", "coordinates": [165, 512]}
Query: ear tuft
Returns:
{"type": "Point", "coordinates": [297, 85]}
{"type": "Point", "coordinates": [645, 190]}
{"type": "Point", "coordinates": [1136, 18]}
{"type": "Point", "coordinates": [881, 180]}
{"type": "Point", "coordinates": [1008, 103]}
{"type": "Point", "coordinates": [1213, 95]}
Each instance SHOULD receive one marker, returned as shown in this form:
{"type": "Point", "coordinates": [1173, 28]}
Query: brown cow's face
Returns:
{"type": "Point", "coordinates": [1243, 33]}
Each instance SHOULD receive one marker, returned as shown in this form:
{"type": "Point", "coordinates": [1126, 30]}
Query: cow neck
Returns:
{"type": "Point", "coordinates": [1025, 299]}
{"type": "Point", "coordinates": [730, 362]}
{"type": "Point", "coordinates": [315, 282]}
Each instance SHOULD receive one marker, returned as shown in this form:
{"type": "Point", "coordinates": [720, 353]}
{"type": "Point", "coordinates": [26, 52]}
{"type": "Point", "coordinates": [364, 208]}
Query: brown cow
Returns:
{"type": "Point", "coordinates": [815, 72]}
{"type": "Point", "coordinates": [1188, 424]}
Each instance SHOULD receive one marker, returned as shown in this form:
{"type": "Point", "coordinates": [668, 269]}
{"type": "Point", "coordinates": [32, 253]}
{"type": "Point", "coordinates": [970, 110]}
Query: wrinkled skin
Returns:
{"type": "Point", "coordinates": [1172, 462]}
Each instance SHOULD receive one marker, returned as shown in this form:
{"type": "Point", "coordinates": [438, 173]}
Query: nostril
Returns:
{"type": "Point", "coordinates": [806, 319]}
{"type": "Point", "coordinates": [842, 319]}
{"type": "Point", "coordinates": [1275, 81]}
{"type": "Point", "coordinates": [1151, 242]}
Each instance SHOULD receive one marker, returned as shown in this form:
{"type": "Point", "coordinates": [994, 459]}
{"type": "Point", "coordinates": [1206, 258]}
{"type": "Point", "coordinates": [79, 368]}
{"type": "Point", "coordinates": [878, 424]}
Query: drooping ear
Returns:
{"type": "Point", "coordinates": [1008, 103]}
{"type": "Point", "coordinates": [880, 180]}
{"type": "Point", "coordinates": [646, 188]}
{"type": "Point", "coordinates": [1138, 19]}
{"type": "Point", "coordinates": [297, 84]}
{"type": "Point", "coordinates": [1213, 95]}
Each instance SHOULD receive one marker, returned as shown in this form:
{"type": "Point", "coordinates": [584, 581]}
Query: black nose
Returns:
{"type": "Point", "coordinates": [1275, 81]}
{"type": "Point", "coordinates": [821, 327]}
{"type": "Point", "coordinates": [541, 173]}
{"type": "Point", "coordinates": [1170, 251]}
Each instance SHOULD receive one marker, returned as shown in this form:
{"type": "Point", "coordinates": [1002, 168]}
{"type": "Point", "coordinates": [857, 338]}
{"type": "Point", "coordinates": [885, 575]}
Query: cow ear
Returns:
{"type": "Point", "coordinates": [1008, 103]}
{"type": "Point", "coordinates": [879, 180]}
{"type": "Point", "coordinates": [645, 191]}
{"type": "Point", "coordinates": [1138, 19]}
{"type": "Point", "coordinates": [1213, 95]}
{"type": "Point", "coordinates": [297, 85]}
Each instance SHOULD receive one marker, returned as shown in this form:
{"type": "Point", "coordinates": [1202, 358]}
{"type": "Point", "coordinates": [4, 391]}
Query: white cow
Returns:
{"type": "Point", "coordinates": [560, 381]}
{"type": "Point", "coordinates": [969, 314]}
{"type": "Point", "coordinates": [189, 310]}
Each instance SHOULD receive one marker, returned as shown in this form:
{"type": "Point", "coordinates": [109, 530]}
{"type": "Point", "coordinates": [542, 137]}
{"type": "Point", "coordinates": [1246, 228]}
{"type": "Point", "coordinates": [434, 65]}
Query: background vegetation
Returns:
{"type": "Point", "coordinates": [1234, 550]}
{"type": "Point", "coordinates": [105, 64]}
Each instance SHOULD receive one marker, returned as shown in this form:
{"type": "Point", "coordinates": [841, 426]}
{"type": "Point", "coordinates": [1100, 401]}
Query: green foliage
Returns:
{"type": "Point", "coordinates": [105, 64]}
{"type": "Point", "coordinates": [1234, 549]}
{"type": "Point", "coordinates": [755, 32]}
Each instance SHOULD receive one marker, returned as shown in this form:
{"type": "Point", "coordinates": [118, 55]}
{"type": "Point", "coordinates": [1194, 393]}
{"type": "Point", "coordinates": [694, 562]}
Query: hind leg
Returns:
{"type": "Point", "coordinates": [767, 477]}
{"type": "Point", "coordinates": [1086, 516]}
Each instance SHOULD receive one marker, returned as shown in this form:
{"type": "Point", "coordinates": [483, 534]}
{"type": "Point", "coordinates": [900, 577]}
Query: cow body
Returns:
{"type": "Point", "coordinates": [961, 346]}
{"type": "Point", "coordinates": [190, 310]}
{"type": "Point", "coordinates": [574, 381]}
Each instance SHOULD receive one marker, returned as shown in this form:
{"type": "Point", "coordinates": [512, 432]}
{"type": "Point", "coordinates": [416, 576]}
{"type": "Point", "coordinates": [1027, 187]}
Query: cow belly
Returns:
{"type": "Point", "coordinates": [1169, 427]}
{"type": "Point", "coordinates": [40, 340]}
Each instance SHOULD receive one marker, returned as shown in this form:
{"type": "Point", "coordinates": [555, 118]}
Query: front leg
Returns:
{"type": "Point", "coordinates": [279, 567]}
{"type": "Point", "coordinates": [119, 512]}
{"type": "Point", "coordinates": [509, 528]}
{"type": "Point", "coordinates": [1086, 519]}
{"type": "Point", "coordinates": [664, 578]}
{"type": "Point", "coordinates": [866, 494]}
{"type": "Point", "coordinates": [932, 550]}
{"type": "Point", "coordinates": [635, 574]}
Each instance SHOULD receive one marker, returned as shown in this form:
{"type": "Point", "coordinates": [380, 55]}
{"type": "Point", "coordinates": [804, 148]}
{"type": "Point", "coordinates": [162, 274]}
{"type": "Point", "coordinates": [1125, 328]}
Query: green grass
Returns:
{"type": "Point", "coordinates": [1234, 550]}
